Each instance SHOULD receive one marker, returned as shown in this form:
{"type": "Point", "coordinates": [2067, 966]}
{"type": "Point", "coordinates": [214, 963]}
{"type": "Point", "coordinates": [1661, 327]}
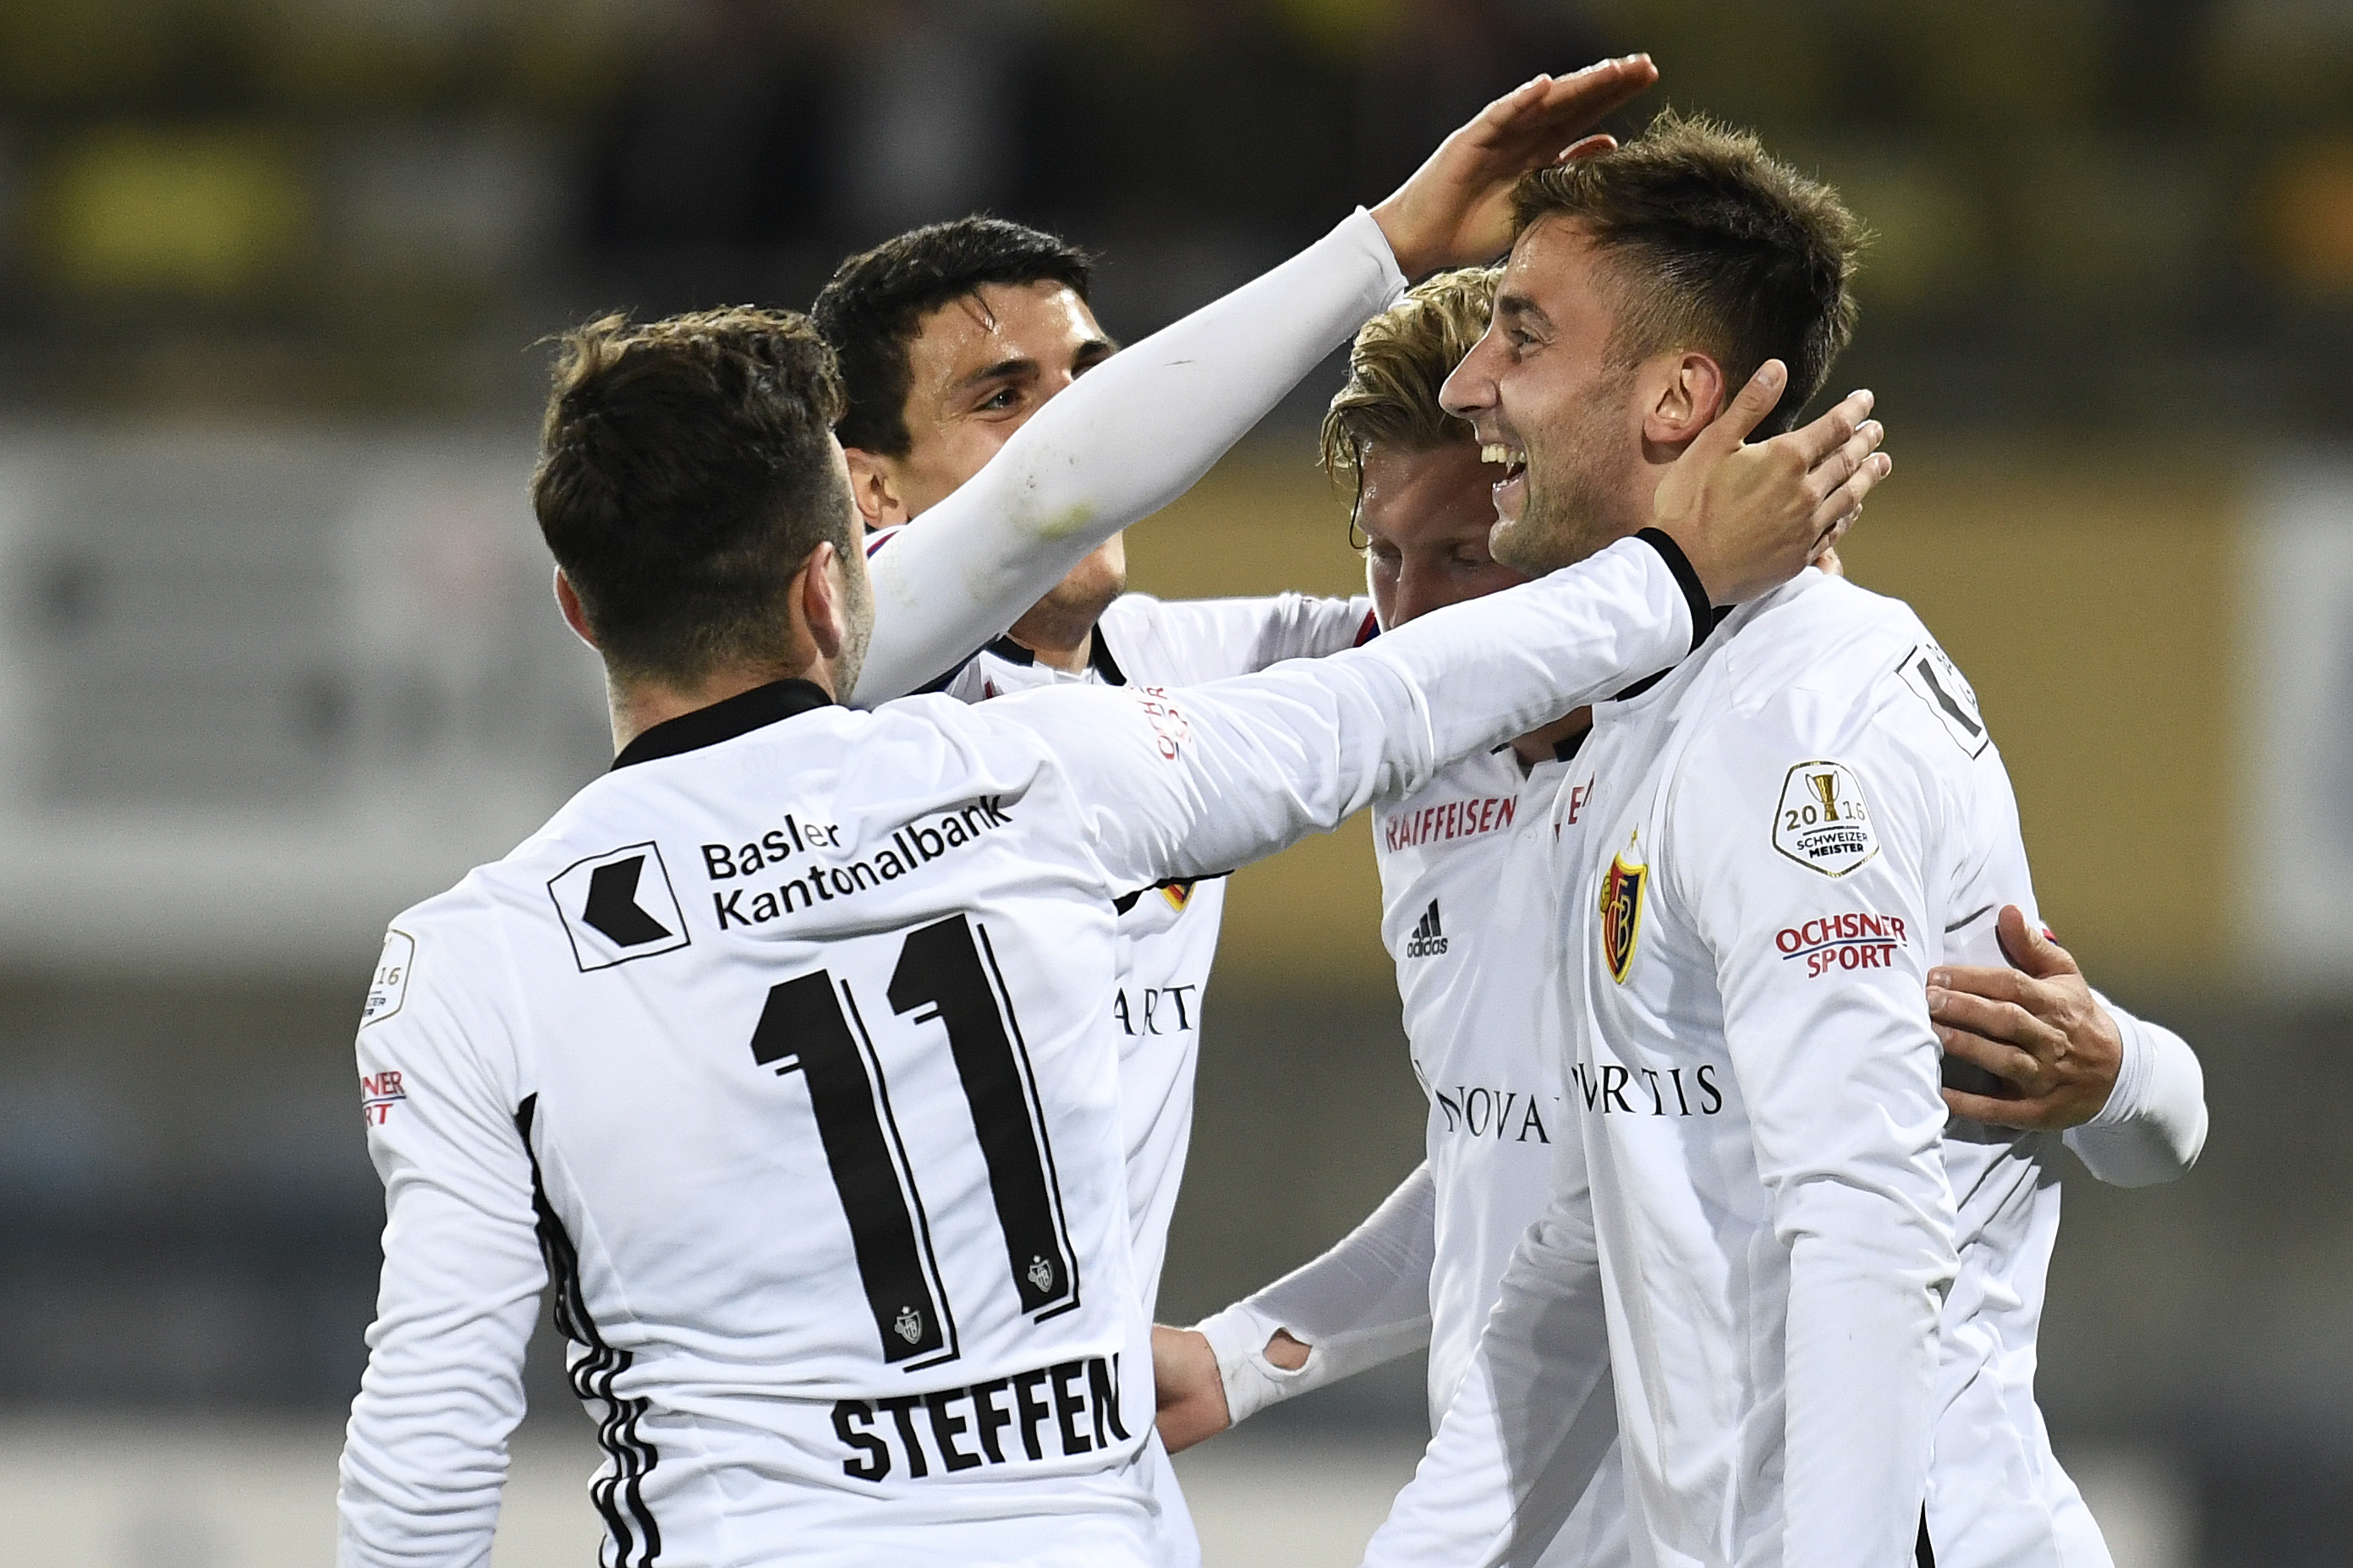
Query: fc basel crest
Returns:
{"type": "Point", "coordinates": [1621, 915]}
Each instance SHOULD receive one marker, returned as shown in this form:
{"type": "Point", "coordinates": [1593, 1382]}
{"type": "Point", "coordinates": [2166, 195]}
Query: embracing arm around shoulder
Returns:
{"type": "Point", "coordinates": [1199, 781]}
{"type": "Point", "coordinates": [426, 1453]}
{"type": "Point", "coordinates": [2129, 1094]}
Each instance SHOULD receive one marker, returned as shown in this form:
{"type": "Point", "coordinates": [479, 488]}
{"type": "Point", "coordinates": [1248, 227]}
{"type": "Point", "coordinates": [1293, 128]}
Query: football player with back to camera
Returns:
{"type": "Point", "coordinates": [1425, 1267]}
{"type": "Point", "coordinates": [785, 1053]}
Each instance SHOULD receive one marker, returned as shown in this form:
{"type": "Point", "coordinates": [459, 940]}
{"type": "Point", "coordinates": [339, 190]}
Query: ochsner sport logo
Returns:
{"type": "Point", "coordinates": [1848, 940]}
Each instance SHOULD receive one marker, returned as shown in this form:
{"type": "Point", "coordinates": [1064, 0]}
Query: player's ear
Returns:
{"type": "Point", "coordinates": [822, 596]}
{"type": "Point", "coordinates": [567, 599]}
{"type": "Point", "coordinates": [1686, 400]}
{"type": "Point", "coordinates": [874, 489]}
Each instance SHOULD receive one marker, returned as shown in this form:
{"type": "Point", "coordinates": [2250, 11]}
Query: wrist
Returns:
{"type": "Point", "coordinates": [1687, 578]}
{"type": "Point", "coordinates": [1239, 1337]}
{"type": "Point", "coordinates": [1411, 257]}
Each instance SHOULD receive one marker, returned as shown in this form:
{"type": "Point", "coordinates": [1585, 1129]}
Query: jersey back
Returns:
{"type": "Point", "coordinates": [801, 1044]}
{"type": "Point", "coordinates": [1168, 935]}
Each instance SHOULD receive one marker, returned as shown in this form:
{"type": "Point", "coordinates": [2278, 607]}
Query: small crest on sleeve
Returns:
{"type": "Point", "coordinates": [1621, 914]}
{"type": "Point", "coordinates": [1937, 682]}
{"type": "Point", "coordinates": [389, 989]}
{"type": "Point", "coordinates": [1823, 822]}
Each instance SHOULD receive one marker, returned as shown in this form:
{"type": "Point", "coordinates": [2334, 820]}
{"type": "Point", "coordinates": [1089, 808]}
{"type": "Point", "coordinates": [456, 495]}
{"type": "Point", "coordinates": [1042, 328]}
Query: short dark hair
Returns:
{"type": "Point", "coordinates": [870, 310]}
{"type": "Point", "coordinates": [1718, 247]}
{"type": "Point", "coordinates": [685, 473]}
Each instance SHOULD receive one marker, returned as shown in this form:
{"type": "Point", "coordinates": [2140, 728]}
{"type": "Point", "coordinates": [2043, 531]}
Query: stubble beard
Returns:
{"type": "Point", "coordinates": [1576, 507]}
{"type": "Point", "coordinates": [859, 593]}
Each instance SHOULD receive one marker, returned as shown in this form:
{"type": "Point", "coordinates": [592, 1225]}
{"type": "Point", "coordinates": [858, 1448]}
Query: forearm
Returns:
{"type": "Point", "coordinates": [1232, 771]}
{"type": "Point", "coordinates": [424, 1455]}
{"type": "Point", "coordinates": [1861, 1360]}
{"type": "Point", "coordinates": [1364, 1302]}
{"type": "Point", "coordinates": [2153, 1126]}
{"type": "Point", "coordinates": [1131, 437]}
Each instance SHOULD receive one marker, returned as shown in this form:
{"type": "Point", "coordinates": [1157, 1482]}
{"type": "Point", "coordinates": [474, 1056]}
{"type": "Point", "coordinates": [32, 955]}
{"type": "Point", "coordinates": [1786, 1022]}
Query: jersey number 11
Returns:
{"type": "Point", "coordinates": [808, 1026]}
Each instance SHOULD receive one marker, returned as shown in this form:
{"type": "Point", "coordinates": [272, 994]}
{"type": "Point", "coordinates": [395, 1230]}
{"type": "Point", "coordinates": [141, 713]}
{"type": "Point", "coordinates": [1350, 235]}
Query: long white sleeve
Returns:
{"type": "Point", "coordinates": [1364, 1302]}
{"type": "Point", "coordinates": [1130, 437]}
{"type": "Point", "coordinates": [1840, 1076]}
{"type": "Point", "coordinates": [425, 1452]}
{"type": "Point", "coordinates": [2154, 1125]}
{"type": "Point", "coordinates": [1217, 775]}
{"type": "Point", "coordinates": [1535, 1413]}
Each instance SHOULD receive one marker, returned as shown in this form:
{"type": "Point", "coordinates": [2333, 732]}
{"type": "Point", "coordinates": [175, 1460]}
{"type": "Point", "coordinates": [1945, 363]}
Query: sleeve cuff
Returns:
{"type": "Point", "coordinates": [1368, 234]}
{"type": "Point", "coordinates": [1702, 612]}
{"type": "Point", "coordinates": [2132, 1072]}
{"type": "Point", "coordinates": [1239, 1336]}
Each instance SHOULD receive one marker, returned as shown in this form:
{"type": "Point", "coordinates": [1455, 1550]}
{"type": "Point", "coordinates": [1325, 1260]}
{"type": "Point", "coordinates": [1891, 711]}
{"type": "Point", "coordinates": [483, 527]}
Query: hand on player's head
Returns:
{"type": "Point", "coordinates": [1752, 515]}
{"type": "Point", "coordinates": [1456, 210]}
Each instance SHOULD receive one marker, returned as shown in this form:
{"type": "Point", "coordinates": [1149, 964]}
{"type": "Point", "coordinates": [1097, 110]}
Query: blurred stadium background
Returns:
{"type": "Point", "coordinates": [276, 654]}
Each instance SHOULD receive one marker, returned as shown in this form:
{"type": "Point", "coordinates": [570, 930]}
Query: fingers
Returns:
{"type": "Point", "coordinates": [1574, 103]}
{"type": "Point", "coordinates": [1590, 147]}
{"type": "Point", "coordinates": [1838, 511]}
{"type": "Point", "coordinates": [1747, 410]}
{"type": "Point", "coordinates": [2007, 1022]}
{"type": "Point", "coordinates": [2026, 944]}
{"type": "Point", "coordinates": [2028, 1115]}
{"type": "Point", "coordinates": [1993, 983]}
{"type": "Point", "coordinates": [2005, 1062]}
{"type": "Point", "coordinates": [1841, 465]}
{"type": "Point", "coordinates": [1834, 429]}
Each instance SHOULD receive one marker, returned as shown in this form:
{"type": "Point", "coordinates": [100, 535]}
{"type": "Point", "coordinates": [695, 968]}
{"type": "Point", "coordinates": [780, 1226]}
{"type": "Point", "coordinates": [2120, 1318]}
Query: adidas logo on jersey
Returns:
{"type": "Point", "coordinates": [1428, 941]}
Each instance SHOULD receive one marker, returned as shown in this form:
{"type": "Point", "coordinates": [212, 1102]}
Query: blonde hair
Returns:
{"type": "Point", "coordinates": [1399, 361]}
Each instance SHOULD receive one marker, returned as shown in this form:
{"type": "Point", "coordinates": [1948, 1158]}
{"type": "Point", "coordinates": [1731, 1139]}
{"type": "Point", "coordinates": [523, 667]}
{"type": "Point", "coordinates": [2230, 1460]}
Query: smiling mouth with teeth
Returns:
{"type": "Point", "coordinates": [1510, 458]}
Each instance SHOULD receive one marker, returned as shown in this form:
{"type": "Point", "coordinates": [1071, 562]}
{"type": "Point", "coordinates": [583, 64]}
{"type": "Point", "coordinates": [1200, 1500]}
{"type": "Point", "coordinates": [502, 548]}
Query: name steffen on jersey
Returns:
{"type": "Point", "coordinates": [918, 843]}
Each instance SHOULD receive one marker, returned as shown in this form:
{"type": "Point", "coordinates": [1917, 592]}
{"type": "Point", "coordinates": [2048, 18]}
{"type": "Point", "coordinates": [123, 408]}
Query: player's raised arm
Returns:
{"type": "Point", "coordinates": [1144, 425]}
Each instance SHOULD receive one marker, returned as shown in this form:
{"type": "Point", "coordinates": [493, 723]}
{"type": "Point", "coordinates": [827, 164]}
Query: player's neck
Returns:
{"type": "Point", "coordinates": [638, 706]}
{"type": "Point", "coordinates": [1056, 653]}
{"type": "Point", "coordinates": [1540, 746]}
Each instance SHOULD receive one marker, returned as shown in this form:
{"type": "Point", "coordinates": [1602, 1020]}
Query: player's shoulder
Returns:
{"type": "Point", "coordinates": [1822, 672]}
{"type": "Point", "coordinates": [1829, 659]}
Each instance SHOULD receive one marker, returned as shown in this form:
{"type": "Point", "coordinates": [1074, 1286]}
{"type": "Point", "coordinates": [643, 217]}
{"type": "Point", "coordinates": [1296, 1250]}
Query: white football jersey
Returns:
{"type": "Point", "coordinates": [789, 1047]}
{"type": "Point", "coordinates": [1810, 816]}
{"type": "Point", "coordinates": [1481, 1020]}
{"type": "Point", "coordinates": [1168, 935]}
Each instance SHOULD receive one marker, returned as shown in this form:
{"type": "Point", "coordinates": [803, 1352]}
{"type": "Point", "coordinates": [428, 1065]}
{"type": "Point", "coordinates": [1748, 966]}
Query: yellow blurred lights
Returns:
{"type": "Point", "coordinates": [210, 214]}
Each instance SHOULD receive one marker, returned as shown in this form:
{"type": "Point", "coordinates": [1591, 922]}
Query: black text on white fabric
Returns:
{"type": "Point", "coordinates": [813, 1026]}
